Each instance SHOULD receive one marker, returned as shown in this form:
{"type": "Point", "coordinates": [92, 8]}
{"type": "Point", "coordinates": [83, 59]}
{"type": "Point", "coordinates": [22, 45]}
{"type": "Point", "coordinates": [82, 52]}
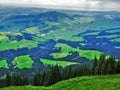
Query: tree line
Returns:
{"type": "Point", "coordinates": [100, 66]}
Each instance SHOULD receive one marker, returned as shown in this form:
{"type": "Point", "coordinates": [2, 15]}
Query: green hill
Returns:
{"type": "Point", "coordinates": [108, 82]}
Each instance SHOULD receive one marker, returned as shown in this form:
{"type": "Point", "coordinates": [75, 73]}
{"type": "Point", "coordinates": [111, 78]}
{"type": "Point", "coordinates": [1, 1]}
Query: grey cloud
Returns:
{"type": "Point", "coordinates": [70, 4]}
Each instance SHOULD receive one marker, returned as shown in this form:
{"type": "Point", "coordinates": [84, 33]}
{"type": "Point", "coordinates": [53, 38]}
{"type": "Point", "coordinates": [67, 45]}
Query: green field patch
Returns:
{"type": "Point", "coordinates": [116, 40]}
{"type": "Point", "coordinates": [32, 30]}
{"type": "Point", "coordinates": [6, 44]}
{"type": "Point", "coordinates": [118, 47]}
{"type": "Point", "coordinates": [56, 62]}
{"type": "Point", "coordinates": [3, 64]}
{"type": "Point", "coordinates": [23, 62]}
{"type": "Point", "coordinates": [67, 50]}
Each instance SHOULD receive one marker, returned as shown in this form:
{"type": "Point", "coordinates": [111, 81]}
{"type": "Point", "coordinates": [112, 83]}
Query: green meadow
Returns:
{"type": "Point", "coordinates": [23, 62]}
{"type": "Point", "coordinates": [3, 64]}
{"type": "Point", "coordinates": [67, 50]}
{"type": "Point", "coordinates": [57, 62]}
{"type": "Point", "coordinates": [107, 82]}
{"type": "Point", "coordinates": [6, 44]}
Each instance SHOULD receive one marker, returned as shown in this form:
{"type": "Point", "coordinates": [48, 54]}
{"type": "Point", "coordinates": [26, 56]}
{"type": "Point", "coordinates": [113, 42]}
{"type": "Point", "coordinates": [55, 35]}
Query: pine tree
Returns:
{"type": "Point", "coordinates": [53, 75]}
{"type": "Point", "coordinates": [96, 70]}
{"type": "Point", "coordinates": [57, 73]}
{"type": "Point", "coordinates": [49, 78]}
{"type": "Point", "coordinates": [102, 58]}
{"type": "Point", "coordinates": [16, 79]}
{"type": "Point", "coordinates": [2, 83]}
{"type": "Point", "coordinates": [64, 74]}
{"type": "Point", "coordinates": [117, 67]}
{"type": "Point", "coordinates": [83, 70]}
{"type": "Point", "coordinates": [7, 80]}
{"type": "Point", "coordinates": [43, 78]}
{"type": "Point", "coordinates": [24, 81]}
{"type": "Point", "coordinates": [109, 69]}
{"type": "Point", "coordinates": [100, 62]}
{"type": "Point", "coordinates": [103, 68]}
{"type": "Point", "coordinates": [94, 66]}
{"type": "Point", "coordinates": [112, 62]}
{"type": "Point", "coordinates": [36, 79]}
{"type": "Point", "coordinates": [69, 72]}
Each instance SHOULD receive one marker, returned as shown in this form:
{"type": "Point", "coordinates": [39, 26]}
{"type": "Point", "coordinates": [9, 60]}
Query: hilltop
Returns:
{"type": "Point", "coordinates": [107, 82]}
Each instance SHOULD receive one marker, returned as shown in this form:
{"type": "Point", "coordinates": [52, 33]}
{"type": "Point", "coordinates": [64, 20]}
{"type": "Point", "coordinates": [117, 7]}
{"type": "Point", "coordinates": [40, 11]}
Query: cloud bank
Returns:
{"type": "Point", "coordinates": [112, 5]}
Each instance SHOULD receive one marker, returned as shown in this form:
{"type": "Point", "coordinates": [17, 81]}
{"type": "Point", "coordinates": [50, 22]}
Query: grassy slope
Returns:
{"type": "Point", "coordinates": [56, 62]}
{"type": "Point", "coordinates": [66, 50]}
{"type": "Point", "coordinates": [23, 62]}
{"type": "Point", "coordinates": [3, 64]}
{"type": "Point", "coordinates": [111, 82]}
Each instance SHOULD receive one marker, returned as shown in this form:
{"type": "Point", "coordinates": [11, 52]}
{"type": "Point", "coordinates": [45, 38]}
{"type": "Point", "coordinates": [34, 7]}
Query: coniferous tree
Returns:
{"type": "Point", "coordinates": [57, 73]}
{"type": "Point", "coordinates": [103, 68]}
{"type": "Point", "coordinates": [83, 70]}
{"type": "Point", "coordinates": [109, 69]}
{"type": "Point", "coordinates": [43, 78]}
{"type": "Point", "coordinates": [94, 66]}
{"type": "Point", "coordinates": [117, 67]}
{"type": "Point", "coordinates": [102, 58]}
{"type": "Point", "coordinates": [69, 72]}
{"type": "Point", "coordinates": [50, 77]}
{"type": "Point", "coordinates": [65, 74]}
{"type": "Point", "coordinates": [25, 81]}
{"type": "Point", "coordinates": [7, 80]}
{"type": "Point", "coordinates": [100, 62]}
{"type": "Point", "coordinates": [96, 70]}
{"type": "Point", "coordinates": [16, 79]}
{"type": "Point", "coordinates": [112, 62]}
{"type": "Point", "coordinates": [2, 83]}
{"type": "Point", "coordinates": [53, 75]}
{"type": "Point", "coordinates": [74, 73]}
{"type": "Point", "coordinates": [37, 78]}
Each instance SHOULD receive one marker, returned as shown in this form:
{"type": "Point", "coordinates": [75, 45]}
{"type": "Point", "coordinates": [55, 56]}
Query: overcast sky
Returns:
{"type": "Point", "coordinates": [113, 5]}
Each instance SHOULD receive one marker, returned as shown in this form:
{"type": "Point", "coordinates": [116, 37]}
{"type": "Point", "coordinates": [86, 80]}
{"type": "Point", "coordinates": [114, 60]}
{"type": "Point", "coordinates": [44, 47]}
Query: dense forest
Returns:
{"type": "Point", "coordinates": [100, 66]}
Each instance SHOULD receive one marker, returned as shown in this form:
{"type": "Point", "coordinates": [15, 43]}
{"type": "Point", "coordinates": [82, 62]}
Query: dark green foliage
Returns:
{"type": "Point", "coordinates": [2, 83]}
{"type": "Point", "coordinates": [109, 69]}
{"type": "Point", "coordinates": [16, 79]}
{"type": "Point", "coordinates": [105, 65]}
{"type": "Point", "coordinates": [53, 76]}
{"type": "Point", "coordinates": [103, 68]}
{"type": "Point", "coordinates": [100, 62]}
{"type": "Point", "coordinates": [100, 67]}
{"type": "Point", "coordinates": [67, 73]}
{"type": "Point", "coordinates": [25, 81]}
{"type": "Point", "coordinates": [43, 78]}
{"type": "Point", "coordinates": [93, 68]}
{"type": "Point", "coordinates": [7, 80]}
{"type": "Point", "coordinates": [117, 67]}
{"type": "Point", "coordinates": [36, 79]}
{"type": "Point", "coordinates": [82, 70]}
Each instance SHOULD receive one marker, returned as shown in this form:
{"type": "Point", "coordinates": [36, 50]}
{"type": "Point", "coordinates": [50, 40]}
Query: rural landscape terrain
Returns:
{"type": "Point", "coordinates": [85, 83]}
{"type": "Point", "coordinates": [36, 39]}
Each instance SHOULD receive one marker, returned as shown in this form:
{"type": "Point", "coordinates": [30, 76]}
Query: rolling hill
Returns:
{"type": "Point", "coordinates": [108, 82]}
{"type": "Point", "coordinates": [30, 37]}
